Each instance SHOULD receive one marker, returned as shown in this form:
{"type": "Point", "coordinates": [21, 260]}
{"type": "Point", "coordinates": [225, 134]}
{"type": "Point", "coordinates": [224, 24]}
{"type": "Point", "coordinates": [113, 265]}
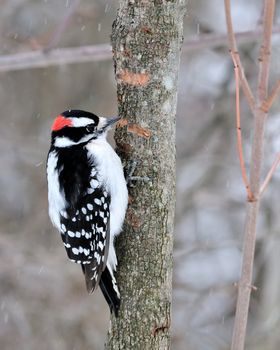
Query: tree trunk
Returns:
{"type": "Point", "coordinates": [146, 39]}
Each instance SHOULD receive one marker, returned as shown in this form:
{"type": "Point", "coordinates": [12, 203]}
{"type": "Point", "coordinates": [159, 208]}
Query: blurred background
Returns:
{"type": "Point", "coordinates": [43, 301]}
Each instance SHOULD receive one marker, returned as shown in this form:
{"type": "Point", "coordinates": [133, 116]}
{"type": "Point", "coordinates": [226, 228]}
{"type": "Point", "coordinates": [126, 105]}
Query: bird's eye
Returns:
{"type": "Point", "coordinates": [90, 128]}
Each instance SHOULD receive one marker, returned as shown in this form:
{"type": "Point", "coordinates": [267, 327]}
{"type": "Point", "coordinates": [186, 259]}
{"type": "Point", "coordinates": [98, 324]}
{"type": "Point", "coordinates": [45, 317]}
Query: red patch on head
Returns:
{"type": "Point", "coordinates": [60, 122]}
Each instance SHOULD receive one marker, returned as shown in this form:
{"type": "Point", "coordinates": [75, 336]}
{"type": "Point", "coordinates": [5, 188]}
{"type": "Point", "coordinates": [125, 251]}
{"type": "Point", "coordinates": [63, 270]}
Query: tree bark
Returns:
{"type": "Point", "coordinates": [146, 40]}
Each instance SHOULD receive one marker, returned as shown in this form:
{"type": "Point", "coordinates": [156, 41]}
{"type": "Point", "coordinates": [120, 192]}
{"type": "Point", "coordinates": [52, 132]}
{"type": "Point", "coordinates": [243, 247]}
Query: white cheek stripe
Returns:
{"type": "Point", "coordinates": [77, 122]}
{"type": "Point", "coordinates": [66, 142]}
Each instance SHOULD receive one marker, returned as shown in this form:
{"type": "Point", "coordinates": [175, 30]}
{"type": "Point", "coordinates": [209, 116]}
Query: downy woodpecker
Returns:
{"type": "Point", "coordinates": [88, 196]}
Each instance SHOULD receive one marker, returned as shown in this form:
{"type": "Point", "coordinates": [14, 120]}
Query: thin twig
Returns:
{"type": "Point", "coordinates": [102, 52]}
{"type": "Point", "coordinates": [270, 174]}
{"type": "Point", "coordinates": [207, 41]}
{"type": "Point", "coordinates": [39, 59]}
{"type": "Point", "coordinates": [233, 48]}
{"type": "Point", "coordinates": [266, 105]}
{"type": "Point", "coordinates": [239, 133]}
{"type": "Point", "coordinates": [252, 211]}
{"type": "Point", "coordinates": [264, 56]}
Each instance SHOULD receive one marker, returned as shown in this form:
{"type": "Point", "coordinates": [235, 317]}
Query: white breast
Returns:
{"type": "Point", "coordinates": [110, 172]}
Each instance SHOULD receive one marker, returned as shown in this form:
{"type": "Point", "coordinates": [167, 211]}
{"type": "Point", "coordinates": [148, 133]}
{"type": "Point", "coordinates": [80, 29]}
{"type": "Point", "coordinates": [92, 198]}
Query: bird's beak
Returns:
{"type": "Point", "coordinates": [105, 124]}
{"type": "Point", "coordinates": [111, 121]}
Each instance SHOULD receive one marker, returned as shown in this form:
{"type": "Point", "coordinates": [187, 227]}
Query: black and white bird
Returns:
{"type": "Point", "coordinates": [88, 196]}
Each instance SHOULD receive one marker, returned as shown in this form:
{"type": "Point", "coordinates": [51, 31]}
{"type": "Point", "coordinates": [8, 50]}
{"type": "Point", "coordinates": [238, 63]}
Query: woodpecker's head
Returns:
{"type": "Point", "coordinates": [75, 127]}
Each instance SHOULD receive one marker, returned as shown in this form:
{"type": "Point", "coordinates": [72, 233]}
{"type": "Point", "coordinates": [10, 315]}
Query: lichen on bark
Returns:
{"type": "Point", "coordinates": [146, 41]}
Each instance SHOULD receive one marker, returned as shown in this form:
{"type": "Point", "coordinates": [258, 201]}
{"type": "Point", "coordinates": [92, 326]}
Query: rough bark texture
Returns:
{"type": "Point", "coordinates": [146, 39]}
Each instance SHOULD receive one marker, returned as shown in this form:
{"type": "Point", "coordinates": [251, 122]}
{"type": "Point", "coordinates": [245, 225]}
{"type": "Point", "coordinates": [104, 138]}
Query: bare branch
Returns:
{"type": "Point", "coordinates": [264, 56]}
{"type": "Point", "coordinates": [94, 53]}
{"type": "Point", "coordinates": [244, 289]}
{"type": "Point", "coordinates": [270, 174]}
{"type": "Point", "coordinates": [39, 59]}
{"type": "Point", "coordinates": [206, 41]}
{"type": "Point", "coordinates": [233, 48]}
{"type": "Point", "coordinates": [239, 134]}
{"type": "Point", "coordinates": [266, 105]}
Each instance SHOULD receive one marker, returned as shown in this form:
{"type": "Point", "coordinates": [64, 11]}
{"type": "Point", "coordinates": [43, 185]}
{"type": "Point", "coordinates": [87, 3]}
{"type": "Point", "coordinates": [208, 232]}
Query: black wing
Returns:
{"type": "Point", "coordinates": [85, 223]}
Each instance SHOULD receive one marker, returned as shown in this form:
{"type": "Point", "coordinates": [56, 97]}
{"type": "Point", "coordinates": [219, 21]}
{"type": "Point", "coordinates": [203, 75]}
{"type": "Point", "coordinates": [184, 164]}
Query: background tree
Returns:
{"type": "Point", "coordinates": [147, 38]}
{"type": "Point", "coordinates": [260, 104]}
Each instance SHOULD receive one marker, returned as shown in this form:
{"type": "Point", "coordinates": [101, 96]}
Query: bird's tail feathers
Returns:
{"type": "Point", "coordinates": [92, 273]}
{"type": "Point", "coordinates": [110, 289]}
